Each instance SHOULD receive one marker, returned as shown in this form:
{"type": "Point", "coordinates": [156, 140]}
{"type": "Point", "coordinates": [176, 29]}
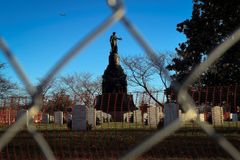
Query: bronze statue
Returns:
{"type": "Point", "coordinates": [113, 42]}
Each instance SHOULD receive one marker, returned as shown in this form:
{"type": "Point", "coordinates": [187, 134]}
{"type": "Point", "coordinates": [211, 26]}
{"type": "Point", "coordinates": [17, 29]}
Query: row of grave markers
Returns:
{"type": "Point", "coordinates": [80, 117]}
{"type": "Point", "coordinates": [171, 112]}
{"type": "Point", "coordinates": [83, 116]}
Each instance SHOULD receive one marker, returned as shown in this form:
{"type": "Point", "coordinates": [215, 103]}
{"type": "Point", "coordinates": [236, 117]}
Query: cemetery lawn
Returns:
{"type": "Point", "coordinates": [124, 126]}
{"type": "Point", "coordinates": [186, 143]}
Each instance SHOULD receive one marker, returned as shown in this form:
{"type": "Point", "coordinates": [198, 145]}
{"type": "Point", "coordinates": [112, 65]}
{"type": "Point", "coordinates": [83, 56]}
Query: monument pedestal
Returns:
{"type": "Point", "coordinates": [115, 104]}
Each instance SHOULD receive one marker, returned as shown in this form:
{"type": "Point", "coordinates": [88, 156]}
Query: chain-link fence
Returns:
{"type": "Point", "coordinates": [185, 100]}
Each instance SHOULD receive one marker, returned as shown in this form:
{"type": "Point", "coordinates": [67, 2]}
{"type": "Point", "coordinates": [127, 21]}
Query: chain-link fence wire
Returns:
{"type": "Point", "coordinates": [184, 98]}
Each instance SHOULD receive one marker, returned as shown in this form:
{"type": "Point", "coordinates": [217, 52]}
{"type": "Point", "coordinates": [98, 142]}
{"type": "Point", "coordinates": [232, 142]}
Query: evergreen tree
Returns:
{"type": "Point", "coordinates": [211, 23]}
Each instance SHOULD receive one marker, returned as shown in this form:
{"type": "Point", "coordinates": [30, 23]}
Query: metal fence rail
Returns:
{"type": "Point", "coordinates": [184, 98]}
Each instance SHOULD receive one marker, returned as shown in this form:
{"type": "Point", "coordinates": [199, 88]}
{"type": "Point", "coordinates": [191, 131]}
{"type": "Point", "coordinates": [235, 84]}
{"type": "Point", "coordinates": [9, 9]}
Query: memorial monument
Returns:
{"type": "Point", "coordinates": [114, 99]}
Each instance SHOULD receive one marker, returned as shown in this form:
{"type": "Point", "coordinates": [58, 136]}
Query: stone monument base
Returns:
{"type": "Point", "coordinates": [115, 104]}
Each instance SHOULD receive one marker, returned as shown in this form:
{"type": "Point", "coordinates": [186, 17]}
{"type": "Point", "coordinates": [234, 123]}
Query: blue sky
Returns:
{"type": "Point", "coordinates": [39, 36]}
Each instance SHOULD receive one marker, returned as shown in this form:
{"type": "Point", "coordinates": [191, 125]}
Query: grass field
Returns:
{"type": "Point", "coordinates": [123, 125]}
{"type": "Point", "coordinates": [110, 142]}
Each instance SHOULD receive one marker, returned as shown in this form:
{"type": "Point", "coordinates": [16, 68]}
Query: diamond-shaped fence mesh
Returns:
{"type": "Point", "coordinates": [133, 137]}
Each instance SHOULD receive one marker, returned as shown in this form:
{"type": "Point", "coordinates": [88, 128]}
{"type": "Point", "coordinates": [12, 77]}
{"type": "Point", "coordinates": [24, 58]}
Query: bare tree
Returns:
{"type": "Point", "coordinates": [142, 70]}
{"type": "Point", "coordinates": [59, 101]}
{"type": "Point", "coordinates": [159, 67]}
{"type": "Point", "coordinates": [83, 85]}
{"type": "Point", "coordinates": [54, 86]}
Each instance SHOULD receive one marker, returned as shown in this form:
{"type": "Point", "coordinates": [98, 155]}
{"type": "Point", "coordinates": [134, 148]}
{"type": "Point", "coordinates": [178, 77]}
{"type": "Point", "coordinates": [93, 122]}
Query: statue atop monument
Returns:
{"type": "Point", "coordinates": [114, 99]}
{"type": "Point", "coordinates": [113, 42]}
{"type": "Point", "coordinates": [114, 78]}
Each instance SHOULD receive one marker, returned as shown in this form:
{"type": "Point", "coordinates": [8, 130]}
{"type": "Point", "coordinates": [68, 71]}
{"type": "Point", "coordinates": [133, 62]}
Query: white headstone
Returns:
{"type": "Point", "coordinates": [108, 116]}
{"type": "Point", "coordinates": [179, 112]}
{"type": "Point", "coordinates": [154, 116]}
{"type": "Point", "coordinates": [137, 116]}
{"type": "Point", "coordinates": [171, 113]}
{"type": "Point", "coordinates": [58, 117]}
{"type": "Point", "coordinates": [22, 112]}
{"type": "Point", "coordinates": [234, 117]}
{"type": "Point", "coordinates": [79, 117]}
{"type": "Point", "coordinates": [127, 116]}
{"type": "Point", "coordinates": [181, 115]}
{"type": "Point", "coordinates": [201, 117]}
{"type": "Point", "coordinates": [99, 116]}
{"type": "Point", "coordinates": [51, 119]}
{"type": "Point", "coordinates": [45, 118]}
{"type": "Point", "coordinates": [145, 118]}
{"type": "Point", "coordinates": [217, 115]}
{"type": "Point", "coordinates": [91, 116]}
{"type": "Point", "coordinates": [104, 117]}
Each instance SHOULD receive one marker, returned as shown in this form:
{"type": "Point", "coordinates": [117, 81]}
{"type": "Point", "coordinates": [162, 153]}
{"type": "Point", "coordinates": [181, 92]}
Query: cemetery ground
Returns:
{"type": "Point", "coordinates": [111, 140]}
